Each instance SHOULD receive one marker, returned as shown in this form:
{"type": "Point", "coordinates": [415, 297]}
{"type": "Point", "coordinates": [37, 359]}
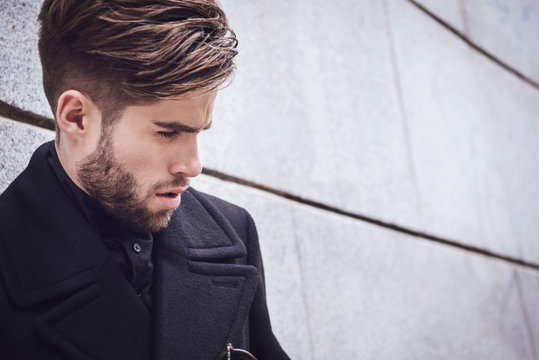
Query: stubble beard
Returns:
{"type": "Point", "coordinates": [117, 190]}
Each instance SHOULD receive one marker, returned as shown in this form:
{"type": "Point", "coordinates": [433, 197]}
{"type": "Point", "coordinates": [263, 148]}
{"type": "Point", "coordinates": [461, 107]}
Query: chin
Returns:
{"type": "Point", "coordinates": [160, 220]}
{"type": "Point", "coordinates": [151, 222]}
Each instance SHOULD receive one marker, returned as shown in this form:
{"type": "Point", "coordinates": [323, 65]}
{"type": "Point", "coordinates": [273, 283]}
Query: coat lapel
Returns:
{"type": "Point", "coordinates": [104, 320]}
{"type": "Point", "coordinates": [203, 292]}
{"type": "Point", "coordinates": [55, 265]}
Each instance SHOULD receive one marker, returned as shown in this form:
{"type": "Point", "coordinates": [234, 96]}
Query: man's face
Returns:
{"type": "Point", "coordinates": [144, 161]}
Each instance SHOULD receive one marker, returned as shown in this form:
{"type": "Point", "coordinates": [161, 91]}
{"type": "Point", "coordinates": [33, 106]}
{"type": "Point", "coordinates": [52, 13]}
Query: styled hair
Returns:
{"type": "Point", "coordinates": [122, 52]}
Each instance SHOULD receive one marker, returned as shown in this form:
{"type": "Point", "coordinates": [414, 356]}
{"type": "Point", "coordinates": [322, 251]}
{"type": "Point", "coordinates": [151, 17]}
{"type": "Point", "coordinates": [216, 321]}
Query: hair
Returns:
{"type": "Point", "coordinates": [122, 52]}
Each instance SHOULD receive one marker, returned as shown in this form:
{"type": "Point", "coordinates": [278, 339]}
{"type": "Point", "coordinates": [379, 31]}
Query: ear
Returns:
{"type": "Point", "coordinates": [76, 115]}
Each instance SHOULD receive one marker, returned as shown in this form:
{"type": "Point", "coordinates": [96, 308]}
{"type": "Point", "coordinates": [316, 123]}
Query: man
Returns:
{"type": "Point", "coordinates": [105, 253]}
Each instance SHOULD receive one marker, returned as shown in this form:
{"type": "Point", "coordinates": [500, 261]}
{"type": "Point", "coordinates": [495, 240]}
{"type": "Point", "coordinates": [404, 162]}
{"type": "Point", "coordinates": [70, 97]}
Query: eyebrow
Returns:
{"type": "Point", "coordinates": [181, 127]}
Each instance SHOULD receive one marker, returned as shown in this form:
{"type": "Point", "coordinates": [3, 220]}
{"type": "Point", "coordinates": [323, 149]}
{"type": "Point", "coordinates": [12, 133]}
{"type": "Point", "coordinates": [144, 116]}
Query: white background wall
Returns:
{"type": "Point", "coordinates": [380, 111]}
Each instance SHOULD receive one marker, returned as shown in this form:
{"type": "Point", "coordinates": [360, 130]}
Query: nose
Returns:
{"type": "Point", "coordinates": [185, 159]}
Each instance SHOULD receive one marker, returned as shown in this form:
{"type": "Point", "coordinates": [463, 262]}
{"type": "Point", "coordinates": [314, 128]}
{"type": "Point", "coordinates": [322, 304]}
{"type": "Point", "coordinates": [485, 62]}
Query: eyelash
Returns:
{"type": "Point", "coordinates": [169, 135]}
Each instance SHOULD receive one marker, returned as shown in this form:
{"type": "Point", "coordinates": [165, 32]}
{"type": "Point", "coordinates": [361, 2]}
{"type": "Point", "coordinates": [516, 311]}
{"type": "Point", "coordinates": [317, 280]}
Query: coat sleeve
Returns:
{"type": "Point", "coordinates": [263, 343]}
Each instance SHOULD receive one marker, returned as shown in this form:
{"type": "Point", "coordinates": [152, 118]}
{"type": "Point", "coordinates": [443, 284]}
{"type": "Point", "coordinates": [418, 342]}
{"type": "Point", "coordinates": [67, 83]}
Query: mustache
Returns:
{"type": "Point", "coordinates": [179, 181]}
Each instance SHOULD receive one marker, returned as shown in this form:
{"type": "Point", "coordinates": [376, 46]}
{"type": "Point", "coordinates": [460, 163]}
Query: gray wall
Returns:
{"type": "Point", "coordinates": [389, 153]}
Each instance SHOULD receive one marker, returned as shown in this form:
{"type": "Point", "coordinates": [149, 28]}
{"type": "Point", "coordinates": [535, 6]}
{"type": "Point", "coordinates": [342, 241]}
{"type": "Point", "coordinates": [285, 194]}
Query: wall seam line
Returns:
{"type": "Point", "coordinates": [303, 289]}
{"type": "Point", "coordinates": [24, 116]}
{"type": "Point", "coordinates": [525, 314]}
{"type": "Point", "coordinates": [402, 109]}
{"type": "Point", "coordinates": [332, 209]}
{"type": "Point", "coordinates": [464, 17]}
{"type": "Point", "coordinates": [364, 218]}
{"type": "Point", "coordinates": [475, 46]}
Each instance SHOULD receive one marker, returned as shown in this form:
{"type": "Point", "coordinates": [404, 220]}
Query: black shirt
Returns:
{"type": "Point", "coordinates": [131, 251]}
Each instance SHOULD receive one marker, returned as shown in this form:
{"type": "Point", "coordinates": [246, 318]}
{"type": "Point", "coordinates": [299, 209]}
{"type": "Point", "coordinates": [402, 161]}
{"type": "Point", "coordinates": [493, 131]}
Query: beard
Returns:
{"type": "Point", "coordinates": [116, 189]}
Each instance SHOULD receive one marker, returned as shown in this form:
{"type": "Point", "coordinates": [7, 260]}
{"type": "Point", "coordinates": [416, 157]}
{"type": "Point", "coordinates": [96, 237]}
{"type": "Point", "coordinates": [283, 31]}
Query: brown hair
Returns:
{"type": "Point", "coordinates": [121, 52]}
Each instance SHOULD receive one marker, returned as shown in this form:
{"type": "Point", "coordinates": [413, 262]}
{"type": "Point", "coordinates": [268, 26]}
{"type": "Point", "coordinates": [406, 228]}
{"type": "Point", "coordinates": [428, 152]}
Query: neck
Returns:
{"type": "Point", "coordinates": [68, 163]}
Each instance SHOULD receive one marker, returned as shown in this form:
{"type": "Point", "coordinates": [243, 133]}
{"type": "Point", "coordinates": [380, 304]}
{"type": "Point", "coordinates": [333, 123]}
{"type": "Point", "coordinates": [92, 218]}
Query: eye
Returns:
{"type": "Point", "coordinates": [168, 134]}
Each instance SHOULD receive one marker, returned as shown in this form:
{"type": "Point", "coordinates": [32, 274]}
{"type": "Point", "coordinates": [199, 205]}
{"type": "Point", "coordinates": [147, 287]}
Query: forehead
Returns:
{"type": "Point", "coordinates": [193, 110]}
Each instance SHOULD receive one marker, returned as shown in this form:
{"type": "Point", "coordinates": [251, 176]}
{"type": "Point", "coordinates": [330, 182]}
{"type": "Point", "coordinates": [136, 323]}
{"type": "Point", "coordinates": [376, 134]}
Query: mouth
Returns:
{"type": "Point", "coordinates": [170, 199]}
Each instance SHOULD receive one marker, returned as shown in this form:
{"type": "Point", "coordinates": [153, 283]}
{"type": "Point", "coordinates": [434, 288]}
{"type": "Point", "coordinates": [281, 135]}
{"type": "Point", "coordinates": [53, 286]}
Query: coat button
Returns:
{"type": "Point", "coordinates": [137, 247]}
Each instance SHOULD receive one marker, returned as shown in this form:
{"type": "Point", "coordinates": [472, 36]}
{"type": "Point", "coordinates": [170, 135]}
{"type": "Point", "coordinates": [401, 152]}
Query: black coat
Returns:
{"type": "Point", "coordinates": [62, 296]}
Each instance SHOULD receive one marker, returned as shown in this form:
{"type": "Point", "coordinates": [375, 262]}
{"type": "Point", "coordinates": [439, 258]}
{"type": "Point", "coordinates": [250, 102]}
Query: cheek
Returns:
{"type": "Point", "coordinates": [143, 164]}
{"type": "Point", "coordinates": [142, 159]}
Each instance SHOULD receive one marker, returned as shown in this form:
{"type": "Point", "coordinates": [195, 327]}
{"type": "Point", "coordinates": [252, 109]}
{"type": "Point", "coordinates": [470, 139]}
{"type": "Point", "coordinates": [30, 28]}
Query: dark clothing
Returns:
{"type": "Point", "coordinates": [63, 296]}
{"type": "Point", "coordinates": [132, 252]}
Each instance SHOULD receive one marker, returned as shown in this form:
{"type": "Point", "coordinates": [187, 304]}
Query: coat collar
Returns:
{"type": "Point", "coordinates": [203, 292]}
{"type": "Point", "coordinates": [49, 252]}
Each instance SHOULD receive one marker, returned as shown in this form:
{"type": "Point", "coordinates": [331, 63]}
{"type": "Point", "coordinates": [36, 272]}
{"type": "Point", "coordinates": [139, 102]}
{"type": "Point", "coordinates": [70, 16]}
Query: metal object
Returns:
{"type": "Point", "coordinates": [235, 354]}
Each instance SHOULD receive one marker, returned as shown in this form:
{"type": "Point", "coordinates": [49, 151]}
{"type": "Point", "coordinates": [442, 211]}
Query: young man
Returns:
{"type": "Point", "coordinates": [105, 252]}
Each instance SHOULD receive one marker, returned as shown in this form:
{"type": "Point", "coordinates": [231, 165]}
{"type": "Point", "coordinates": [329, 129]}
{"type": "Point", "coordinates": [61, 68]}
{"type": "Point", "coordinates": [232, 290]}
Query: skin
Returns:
{"type": "Point", "coordinates": [127, 167]}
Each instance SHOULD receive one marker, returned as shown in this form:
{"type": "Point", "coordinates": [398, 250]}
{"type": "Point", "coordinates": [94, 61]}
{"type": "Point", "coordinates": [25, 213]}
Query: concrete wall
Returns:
{"type": "Point", "coordinates": [507, 29]}
{"type": "Point", "coordinates": [409, 160]}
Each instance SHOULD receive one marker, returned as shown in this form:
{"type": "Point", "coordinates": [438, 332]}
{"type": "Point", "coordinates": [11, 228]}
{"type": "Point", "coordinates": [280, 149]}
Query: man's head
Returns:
{"type": "Point", "coordinates": [131, 83]}
{"type": "Point", "coordinates": [143, 163]}
{"type": "Point", "coordinates": [122, 52]}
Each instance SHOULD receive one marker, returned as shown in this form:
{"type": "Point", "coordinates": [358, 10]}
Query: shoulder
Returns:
{"type": "Point", "coordinates": [230, 211]}
{"type": "Point", "coordinates": [223, 205]}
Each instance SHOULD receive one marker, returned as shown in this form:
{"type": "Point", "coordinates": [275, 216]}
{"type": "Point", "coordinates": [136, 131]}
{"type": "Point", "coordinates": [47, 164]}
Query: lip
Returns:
{"type": "Point", "coordinates": [170, 202]}
{"type": "Point", "coordinates": [176, 190]}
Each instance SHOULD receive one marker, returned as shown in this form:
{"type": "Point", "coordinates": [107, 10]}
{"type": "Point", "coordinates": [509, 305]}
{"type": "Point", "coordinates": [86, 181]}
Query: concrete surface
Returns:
{"type": "Point", "coordinates": [17, 143]}
{"type": "Point", "coordinates": [314, 111]}
{"type": "Point", "coordinates": [20, 70]}
{"type": "Point", "coordinates": [450, 11]}
{"type": "Point", "coordinates": [507, 29]}
{"type": "Point", "coordinates": [474, 138]}
{"type": "Point", "coordinates": [529, 286]}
